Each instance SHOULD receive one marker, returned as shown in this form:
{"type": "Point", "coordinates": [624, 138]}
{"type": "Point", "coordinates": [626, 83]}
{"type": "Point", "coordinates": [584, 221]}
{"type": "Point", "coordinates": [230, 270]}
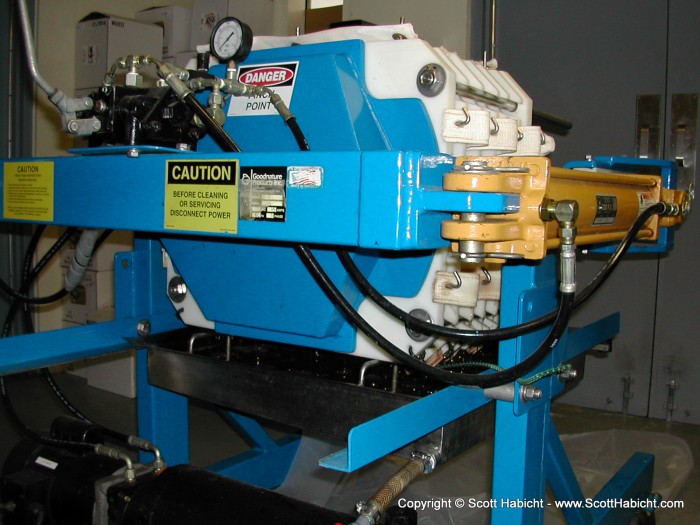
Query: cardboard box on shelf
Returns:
{"type": "Point", "coordinates": [102, 39]}
{"type": "Point", "coordinates": [176, 22]}
{"type": "Point", "coordinates": [270, 17]}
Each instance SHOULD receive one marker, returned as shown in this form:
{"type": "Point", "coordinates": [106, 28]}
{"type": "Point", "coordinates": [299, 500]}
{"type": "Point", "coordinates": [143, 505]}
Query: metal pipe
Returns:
{"type": "Point", "coordinates": [28, 38]}
{"type": "Point", "coordinates": [493, 29]}
{"type": "Point", "coordinates": [140, 443]}
{"type": "Point", "coordinates": [363, 370]}
{"type": "Point", "coordinates": [466, 91]}
{"type": "Point", "coordinates": [129, 473]}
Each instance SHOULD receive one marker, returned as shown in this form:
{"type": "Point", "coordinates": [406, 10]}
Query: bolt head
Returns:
{"type": "Point", "coordinates": [530, 393]}
{"type": "Point", "coordinates": [568, 375]}
{"type": "Point", "coordinates": [177, 289]}
{"type": "Point", "coordinates": [427, 78]}
{"type": "Point", "coordinates": [143, 328]}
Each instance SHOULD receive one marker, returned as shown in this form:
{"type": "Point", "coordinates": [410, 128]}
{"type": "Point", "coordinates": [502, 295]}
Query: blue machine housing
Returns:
{"type": "Point", "coordinates": [332, 105]}
{"type": "Point", "coordinates": [276, 298]}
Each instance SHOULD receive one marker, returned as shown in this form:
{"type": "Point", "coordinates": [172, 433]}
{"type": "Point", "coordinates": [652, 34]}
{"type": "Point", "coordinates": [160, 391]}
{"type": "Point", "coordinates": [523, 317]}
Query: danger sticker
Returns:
{"type": "Point", "coordinates": [280, 77]}
{"type": "Point", "coordinates": [28, 190]}
{"type": "Point", "coordinates": [263, 193]}
{"type": "Point", "coordinates": [202, 196]}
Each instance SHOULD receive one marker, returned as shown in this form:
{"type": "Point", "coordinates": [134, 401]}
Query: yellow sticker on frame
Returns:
{"type": "Point", "coordinates": [28, 191]}
{"type": "Point", "coordinates": [202, 195]}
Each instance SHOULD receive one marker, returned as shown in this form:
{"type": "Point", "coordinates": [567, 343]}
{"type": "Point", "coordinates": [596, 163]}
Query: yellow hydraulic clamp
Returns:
{"type": "Point", "coordinates": [608, 205]}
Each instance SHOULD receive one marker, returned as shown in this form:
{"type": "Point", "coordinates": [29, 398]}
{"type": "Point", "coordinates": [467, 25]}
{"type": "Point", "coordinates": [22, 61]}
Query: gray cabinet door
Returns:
{"type": "Point", "coordinates": [676, 342]}
{"type": "Point", "coordinates": [588, 61]}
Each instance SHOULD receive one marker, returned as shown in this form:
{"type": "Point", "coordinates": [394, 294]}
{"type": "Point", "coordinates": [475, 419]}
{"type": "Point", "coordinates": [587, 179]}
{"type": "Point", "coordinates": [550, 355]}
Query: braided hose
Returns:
{"type": "Point", "coordinates": [380, 501]}
{"type": "Point", "coordinates": [397, 483]}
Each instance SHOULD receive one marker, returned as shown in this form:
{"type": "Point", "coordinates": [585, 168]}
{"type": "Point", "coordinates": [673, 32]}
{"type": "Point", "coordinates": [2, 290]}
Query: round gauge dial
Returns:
{"type": "Point", "coordinates": [231, 39]}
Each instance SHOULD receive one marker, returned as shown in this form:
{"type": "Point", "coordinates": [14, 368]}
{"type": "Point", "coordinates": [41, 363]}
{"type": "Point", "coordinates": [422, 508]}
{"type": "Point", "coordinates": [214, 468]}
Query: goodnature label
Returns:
{"type": "Point", "coordinates": [280, 77]}
{"type": "Point", "coordinates": [28, 191]}
{"type": "Point", "coordinates": [263, 193]}
{"type": "Point", "coordinates": [202, 195]}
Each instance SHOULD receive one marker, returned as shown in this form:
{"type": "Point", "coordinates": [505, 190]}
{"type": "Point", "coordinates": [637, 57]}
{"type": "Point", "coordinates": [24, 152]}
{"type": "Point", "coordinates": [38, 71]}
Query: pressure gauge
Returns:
{"type": "Point", "coordinates": [231, 39]}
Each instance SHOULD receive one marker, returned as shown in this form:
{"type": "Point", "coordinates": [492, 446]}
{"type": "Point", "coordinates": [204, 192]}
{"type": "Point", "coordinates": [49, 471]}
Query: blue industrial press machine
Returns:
{"type": "Point", "coordinates": [239, 289]}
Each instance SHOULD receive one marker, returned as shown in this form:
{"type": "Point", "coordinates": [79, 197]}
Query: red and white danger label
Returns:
{"type": "Point", "coordinates": [278, 77]}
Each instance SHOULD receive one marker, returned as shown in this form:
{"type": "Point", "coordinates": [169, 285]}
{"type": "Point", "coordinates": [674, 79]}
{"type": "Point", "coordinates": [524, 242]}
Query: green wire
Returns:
{"type": "Point", "coordinates": [523, 381]}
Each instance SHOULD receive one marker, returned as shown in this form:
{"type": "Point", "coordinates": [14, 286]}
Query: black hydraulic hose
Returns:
{"type": "Point", "coordinates": [26, 268]}
{"type": "Point", "coordinates": [498, 334]}
{"type": "Point", "coordinates": [40, 266]}
{"type": "Point", "coordinates": [659, 208]}
{"type": "Point", "coordinates": [19, 297]}
{"type": "Point", "coordinates": [485, 380]}
{"type": "Point", "coordinates": [24, 429]}
{"type": "Point", "coordinates": [32, 300]}
{"type": "Point", "coordinates": [298, 133]}
{"type": "Point", "coordinates": [223, 138]}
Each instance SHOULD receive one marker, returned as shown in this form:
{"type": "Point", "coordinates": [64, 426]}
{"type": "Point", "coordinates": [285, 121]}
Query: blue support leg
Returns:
{"type": "Point", "coordinates": [163, 417]}
{"type": "Point", "coordinates": [563, 481]}
{"type": "Point", "coordinates": [518, 483]}
{"type": "Point", "coordinates": [521, 428]}
{"type": "Point", "coordinates": [631, 483]}
{"type": "Point", "coordinates": [267, 463]}
{"type": "Point", "coordinates": [140, 284]}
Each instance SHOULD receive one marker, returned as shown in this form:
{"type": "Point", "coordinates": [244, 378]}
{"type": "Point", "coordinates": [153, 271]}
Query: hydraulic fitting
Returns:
{"type": "Point", "coordinates": [129, 472]}
{"type": "Point", "coordinates": [429, 460]}
{"type": "Point", "coordinates": [216, 102]}
{"type": "Point", "coordinates": [566, 213]}
{"type": "Point", "coordinates": [140, 443]}
{"type": "Point", "coordinates": [174, 77]}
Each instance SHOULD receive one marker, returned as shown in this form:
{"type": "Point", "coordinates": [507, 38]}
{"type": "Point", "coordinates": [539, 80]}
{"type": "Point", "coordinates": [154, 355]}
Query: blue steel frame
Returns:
{"type": "Point", "coordinates": [382, 196]}
{"type": "Point", "coordinates": [527, 454]}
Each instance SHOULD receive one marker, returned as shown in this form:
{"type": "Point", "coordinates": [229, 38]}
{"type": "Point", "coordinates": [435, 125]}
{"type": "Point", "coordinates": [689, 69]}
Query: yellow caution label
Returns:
{"type": "Point", "coordinates": [202, 195]}
{"type": "Point", "coordinates": [28, 191]}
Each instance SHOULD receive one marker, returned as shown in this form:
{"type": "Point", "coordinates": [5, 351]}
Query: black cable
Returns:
{"type": "Point", "coordinates": [484, 380]}
{"type": "Point", "coordinates": [219, 134]}
{"type": "Point", "coordinates": [298, 134]}
{"type": "Point", "coordinates": [498, 334]}
{"type": "Point", "coordinates": [29, 432]}
{"type": "Point", "coordinates": [40, 266]}
{"type": "Point", "coordinates": [28, 275]}
{"type": "Point", "coordinates": [561, 320]}
{"type": "Point", "coordinates": [26, 268]}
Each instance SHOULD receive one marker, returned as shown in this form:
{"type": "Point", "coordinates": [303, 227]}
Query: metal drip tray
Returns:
{"type": "Point", "coordinates": [315, 391]}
